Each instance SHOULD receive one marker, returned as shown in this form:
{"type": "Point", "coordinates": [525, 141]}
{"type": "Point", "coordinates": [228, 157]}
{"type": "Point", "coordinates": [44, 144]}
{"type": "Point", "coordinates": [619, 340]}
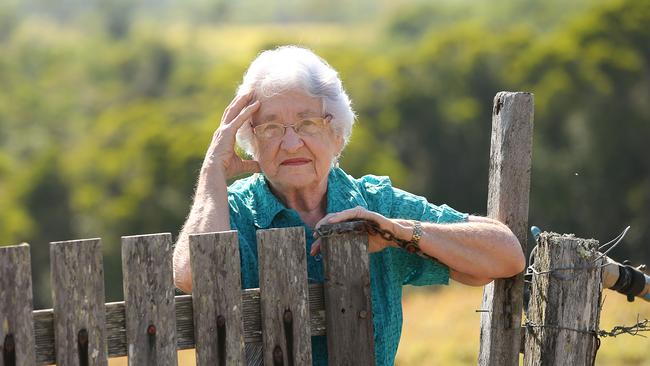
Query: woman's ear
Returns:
{"type": "Point", "coordinates": [339, 143]}
{"type": "Point", "coordinates": [255, 149]}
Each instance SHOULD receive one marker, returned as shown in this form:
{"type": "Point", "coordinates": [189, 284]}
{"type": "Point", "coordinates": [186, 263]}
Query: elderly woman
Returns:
{"type": "Point", "coordinates": [293, 117]}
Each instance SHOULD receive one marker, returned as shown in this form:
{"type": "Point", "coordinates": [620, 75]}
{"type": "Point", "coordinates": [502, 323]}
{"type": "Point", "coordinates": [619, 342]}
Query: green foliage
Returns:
{"type": "Point", "coordinates": [103, 126]}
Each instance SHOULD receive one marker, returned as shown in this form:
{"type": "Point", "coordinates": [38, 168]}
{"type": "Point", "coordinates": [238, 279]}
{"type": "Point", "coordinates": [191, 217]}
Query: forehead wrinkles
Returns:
{"type": "Point", "coordinates": [274, 117]}
{"type": "Point", "coordinates": [288, 106]}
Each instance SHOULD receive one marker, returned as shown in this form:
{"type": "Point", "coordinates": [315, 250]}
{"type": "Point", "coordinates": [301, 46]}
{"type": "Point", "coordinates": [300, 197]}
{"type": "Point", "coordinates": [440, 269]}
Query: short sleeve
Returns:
{"type": "Point", "coordinates": [413, 269]}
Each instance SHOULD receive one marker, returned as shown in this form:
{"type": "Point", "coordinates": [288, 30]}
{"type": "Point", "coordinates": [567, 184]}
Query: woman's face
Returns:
{"type": "Point", "coordinates": [293, 161]}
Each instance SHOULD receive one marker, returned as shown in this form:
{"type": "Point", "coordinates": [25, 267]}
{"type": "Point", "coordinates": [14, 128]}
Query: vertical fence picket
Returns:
{"type": "Point", "coordinates": [350, 335]}
{"type": "Point", "coordinates": [77, 274]}
{"type": "Point", "coordinates": [284, 299]}
{"type": "Point", "coordinates": [149, 299]}
{"type": "Point", "coordinates": [16, 319]}
{"type": "Point", "coordinates": [216, 299]}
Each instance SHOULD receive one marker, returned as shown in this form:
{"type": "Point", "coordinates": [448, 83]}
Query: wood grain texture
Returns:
{"type": "Point", "coordinates": [508, 193]}
{"type": "Point", "coordinates": [284, 301]}
{"type": "Point", "coordinates": [216, 299]}
{"type": "Point", "coordinates": [149, 299]}
{"type": "Point", "coordinates": [116, 324]}
{"type": "Point", "coordinates": [564, 303]}
{"type": "Point", "coordinates": [350, 336]}
{"type": "Point", "coordinates": [16, 320]}
{"type": "Point", "coordinates": [77, 273]}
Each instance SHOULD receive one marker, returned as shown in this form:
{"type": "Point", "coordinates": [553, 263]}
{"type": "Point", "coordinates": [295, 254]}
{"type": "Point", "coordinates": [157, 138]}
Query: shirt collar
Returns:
{"type": "Point", "coordinates": [266, 206]}
{"type": "Point", "coordinates": [342, 194]}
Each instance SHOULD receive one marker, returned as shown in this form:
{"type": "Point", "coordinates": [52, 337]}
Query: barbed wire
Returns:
{"type": "Point", "coordinates": [530, 270]}
{"type": "Point", "coordinates": [640, 326]}
{"type": "Point", "coordinates": [634, 330]}
{"type": "Point", "coordinates": [617, 240]}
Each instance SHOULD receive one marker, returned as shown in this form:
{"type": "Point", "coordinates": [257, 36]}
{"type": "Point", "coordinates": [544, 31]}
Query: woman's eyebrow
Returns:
{"type": "Point", "coordinates": [307, 113]}
{"type": "Point", "coordinates": [304, 113]}
{"type": "Point", "coordinates": [269, 117]}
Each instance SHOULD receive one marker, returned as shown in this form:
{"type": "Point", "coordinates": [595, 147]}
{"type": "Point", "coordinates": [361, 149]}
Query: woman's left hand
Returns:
{"type": "Point", "coordinates": [375, 242]}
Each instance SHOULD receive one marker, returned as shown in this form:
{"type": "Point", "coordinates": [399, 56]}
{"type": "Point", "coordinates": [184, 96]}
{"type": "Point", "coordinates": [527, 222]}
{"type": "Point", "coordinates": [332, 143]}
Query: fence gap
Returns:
{"type": "Point", "coordinates": [77, 273]}
{"type": "Point", "coordinates": [564, 306]}
{"type": "Point", "coordinates": [283, 296]}
{"type": "Point", "coordinates": [216, 299]}
{"type": "Point", "coordinates": [16, 320]}
{"type": "Point", "coordinates": [350, 336]}
{"type": "Point", "coordinates": [508, 191]}
{"type": "Point", "coordinates": [149, 299]}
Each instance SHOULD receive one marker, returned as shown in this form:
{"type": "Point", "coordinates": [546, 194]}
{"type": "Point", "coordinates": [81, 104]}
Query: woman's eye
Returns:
{"type": "Point", "coordinates": [309, 126]}
{"type": "Point", "coordinates": [273, 127]}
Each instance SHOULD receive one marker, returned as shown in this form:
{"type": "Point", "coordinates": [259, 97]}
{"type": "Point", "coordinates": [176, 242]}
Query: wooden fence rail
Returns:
{"type": "Point", "coordinates": [225, 324]}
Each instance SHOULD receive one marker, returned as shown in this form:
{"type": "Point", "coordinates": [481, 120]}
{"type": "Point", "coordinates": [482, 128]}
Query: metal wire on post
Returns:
{"type": "Point", "coordinates": [596, 264]}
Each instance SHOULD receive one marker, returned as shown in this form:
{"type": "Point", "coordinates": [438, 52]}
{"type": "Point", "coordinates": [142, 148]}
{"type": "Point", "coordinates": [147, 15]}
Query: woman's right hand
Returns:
{"type": "Point", "coordinates": [221, 159]}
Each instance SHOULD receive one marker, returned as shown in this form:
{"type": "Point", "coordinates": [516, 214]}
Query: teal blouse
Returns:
{"type": "Point", "coordinates": [253, 207]}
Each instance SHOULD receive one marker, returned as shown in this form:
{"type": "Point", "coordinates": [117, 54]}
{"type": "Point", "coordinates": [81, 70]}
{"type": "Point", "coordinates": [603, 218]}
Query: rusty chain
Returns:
{"type": "Point", "coordinates": [371, 228]}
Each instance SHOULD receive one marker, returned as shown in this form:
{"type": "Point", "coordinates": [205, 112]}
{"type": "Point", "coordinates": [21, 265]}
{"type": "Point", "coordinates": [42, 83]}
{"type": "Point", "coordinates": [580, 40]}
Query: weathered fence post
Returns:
{"type": "Point", "coordinates": [149, 299]}
{"type": "Point", "coordinates": [284, 299]}
{"type": "Point", "coordinates": [16, 321]}
{"type": "Point", "coordinates": [216, 299]}
{"type": "Point", "coordinates": [350, 335]}
{"type": "Point", "coordinates": [509, 186]}
{"type": "Point", "coordinates": [564, 306]}
{"type": "Point", "coordinates": [78, 296]}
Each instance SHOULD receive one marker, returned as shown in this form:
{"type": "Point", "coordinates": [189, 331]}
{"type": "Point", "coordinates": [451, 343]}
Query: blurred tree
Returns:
{"type": "Point", "coordinates": [592, 82]}
{"type": "Point", "coordinates": [118, 17]}
{"type": "Point", "coordinates": [8, 20]}
{"type": "Point", "coordinates": [102, 132]}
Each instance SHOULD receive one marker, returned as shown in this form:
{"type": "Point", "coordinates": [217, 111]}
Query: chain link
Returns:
{"type": "Point", "coordinates": [371, 228]}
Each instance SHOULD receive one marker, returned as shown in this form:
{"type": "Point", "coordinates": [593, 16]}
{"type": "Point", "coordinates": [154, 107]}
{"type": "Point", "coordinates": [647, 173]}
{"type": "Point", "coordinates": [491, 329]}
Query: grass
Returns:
{"type": "Point", "coordinates": [441, 327]}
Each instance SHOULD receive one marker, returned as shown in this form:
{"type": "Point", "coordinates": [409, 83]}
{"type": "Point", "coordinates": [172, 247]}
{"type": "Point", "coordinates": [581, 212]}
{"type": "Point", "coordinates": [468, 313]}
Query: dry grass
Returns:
{"type": "Point", "coordinates": [442, 328]}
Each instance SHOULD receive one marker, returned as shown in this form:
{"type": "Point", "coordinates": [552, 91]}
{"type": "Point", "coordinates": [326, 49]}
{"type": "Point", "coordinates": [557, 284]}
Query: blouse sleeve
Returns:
{"type": "Point", "coordinates": [410, 269]}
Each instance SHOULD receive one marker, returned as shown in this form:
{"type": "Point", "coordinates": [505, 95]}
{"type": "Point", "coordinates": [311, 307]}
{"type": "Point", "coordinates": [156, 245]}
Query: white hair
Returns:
{"type": "Point", "coordinates": [290, 68]}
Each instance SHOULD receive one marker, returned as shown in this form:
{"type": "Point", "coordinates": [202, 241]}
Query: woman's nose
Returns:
{"type": "Point", "coordinates": [291, 141]}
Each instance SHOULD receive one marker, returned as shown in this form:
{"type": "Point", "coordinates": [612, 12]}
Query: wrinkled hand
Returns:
{"type": "Point", "coordinates": [221, 158]}
{"type": "Point", "coordinates": [376, 243]}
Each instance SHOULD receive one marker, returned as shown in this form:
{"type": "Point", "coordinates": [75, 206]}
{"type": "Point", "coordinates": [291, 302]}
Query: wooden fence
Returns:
{"type": "Point", "coordinates": [561, 327]}
{"type": "Point", "coordinates": [151, 324]}
{"type": "Point", "coordinates": [272, 324]}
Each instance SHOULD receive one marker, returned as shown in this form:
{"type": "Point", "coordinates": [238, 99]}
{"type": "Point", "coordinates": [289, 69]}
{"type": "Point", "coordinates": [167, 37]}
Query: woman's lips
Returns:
{"type": "Point", "coordinates": [296, 161]}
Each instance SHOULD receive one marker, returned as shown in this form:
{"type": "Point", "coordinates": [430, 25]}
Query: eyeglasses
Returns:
{"type": "Point", "coordinates": [306, 128]}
